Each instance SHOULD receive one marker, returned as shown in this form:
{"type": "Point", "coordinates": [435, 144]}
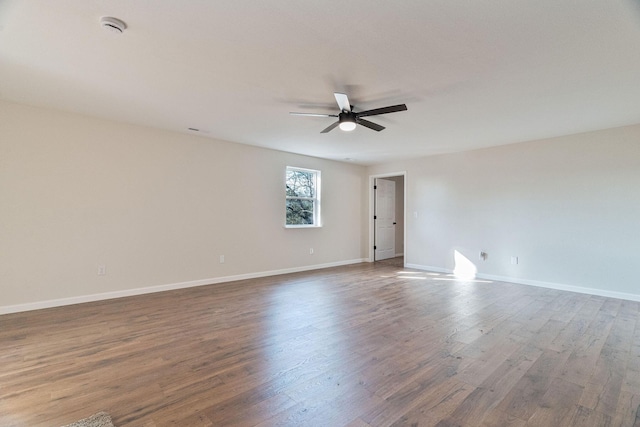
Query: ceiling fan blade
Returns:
{"type": "Point", "coordinates": [370, 125]}
{"type": "Point", "coordinates": [314, 115]}
{"type": "Point", "coordinates": [343, 101]}
{"type": "Point", "coordinates": [383, 110]}
{"type": "Point", "coordinates": [330, 127]}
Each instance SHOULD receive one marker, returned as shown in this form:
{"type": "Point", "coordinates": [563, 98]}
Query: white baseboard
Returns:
{"type": "Point", "coordinates": [38, 305]}
{"type": "Point", "coordinates": [429, 268]}
{"type": "Point", "coordinates": [563, 287]}
{"type": "Point", "coordinates": [152, 289]}
{"type": "Point", "coordinates": [538, 283]}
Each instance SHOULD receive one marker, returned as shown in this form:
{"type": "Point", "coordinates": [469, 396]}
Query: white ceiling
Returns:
{"type": "Point", "coordinates": [472, 73]}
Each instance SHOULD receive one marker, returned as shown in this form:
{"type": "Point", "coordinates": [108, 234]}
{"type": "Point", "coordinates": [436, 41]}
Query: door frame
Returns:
{"type": "Point", "coordinates": [372, 197]}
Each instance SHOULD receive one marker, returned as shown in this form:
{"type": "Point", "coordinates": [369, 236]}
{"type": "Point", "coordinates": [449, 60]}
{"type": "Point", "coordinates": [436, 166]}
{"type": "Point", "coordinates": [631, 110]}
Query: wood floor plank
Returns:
{"type": "Point", "coordinates": [523, 398]}
{"type": "Point", "coordinates": [436, 406]}
{"type": "Point", "coordinates": [586, 417]}
{"type": "Point", "coordinates": [420, 392]}
{"type": "Point", "coordinates": [582, 362]}
{"type": "Point", "coordinates": [557, 406]}
{"type": "Point", "coordinates": [628, 411]}
{"type": "Point", "coordinates": [365, 345]}
{"type": "Point", "coordinates": [496, 417]}
{"type": "Point", "coordinates": [603, 388]}
{"type": "Point", "coordinates": [494, 388]}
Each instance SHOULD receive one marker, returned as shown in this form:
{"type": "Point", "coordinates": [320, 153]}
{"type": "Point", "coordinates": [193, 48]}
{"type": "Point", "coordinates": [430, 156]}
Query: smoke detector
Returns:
{"type": "Point", "coordinates": [113, 24]}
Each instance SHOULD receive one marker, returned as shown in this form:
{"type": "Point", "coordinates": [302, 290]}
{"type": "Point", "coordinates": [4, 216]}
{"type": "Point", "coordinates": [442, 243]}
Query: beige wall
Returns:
{"type": "Point", "coordinates": [157, 208]}
{"type": "Point", "coordinates": [568, 208]}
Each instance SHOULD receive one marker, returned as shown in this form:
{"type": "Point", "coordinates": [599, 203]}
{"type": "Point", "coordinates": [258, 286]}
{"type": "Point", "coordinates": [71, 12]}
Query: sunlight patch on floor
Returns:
{"type": "Point", "coordinates": [460, 279]}
{"type": "Point", "coordinates": [464, 268]}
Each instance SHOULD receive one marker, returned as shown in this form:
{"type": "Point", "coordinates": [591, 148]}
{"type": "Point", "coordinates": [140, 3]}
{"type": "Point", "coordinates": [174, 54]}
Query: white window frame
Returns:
{"type": "Point", "coordinates": [316, 200]}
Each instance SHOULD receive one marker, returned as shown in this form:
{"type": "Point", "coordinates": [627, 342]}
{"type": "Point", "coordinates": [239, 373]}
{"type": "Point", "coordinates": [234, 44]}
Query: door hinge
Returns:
{"type": "Point", "coordinates": [374, 248]}
{"type": "Point", "coordinates": [375, 187]}
{"type": "Point", "coordinates": [375, 217]}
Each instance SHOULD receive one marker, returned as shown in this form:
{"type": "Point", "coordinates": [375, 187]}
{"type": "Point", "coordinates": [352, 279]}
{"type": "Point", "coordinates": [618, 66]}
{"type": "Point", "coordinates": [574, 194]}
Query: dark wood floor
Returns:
{"type": "Point", "coordinates": [362, 345]}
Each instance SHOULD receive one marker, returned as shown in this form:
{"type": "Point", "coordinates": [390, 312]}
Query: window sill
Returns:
{"type": "Point", "coordinates": [303, 226]}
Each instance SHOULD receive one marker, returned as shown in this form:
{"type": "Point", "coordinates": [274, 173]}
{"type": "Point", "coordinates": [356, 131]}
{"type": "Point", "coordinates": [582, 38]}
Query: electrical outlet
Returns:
{"type": "Point", "coordinates": [484, 256]}
{"type": "Point", "coordinates": [221, 259]}
{"type": "Point", "coordinates": [514, 260]}
{"type": "Point", "coordinates": [102, 270]}
{"type": "Point", "coordinates": [310, 251]}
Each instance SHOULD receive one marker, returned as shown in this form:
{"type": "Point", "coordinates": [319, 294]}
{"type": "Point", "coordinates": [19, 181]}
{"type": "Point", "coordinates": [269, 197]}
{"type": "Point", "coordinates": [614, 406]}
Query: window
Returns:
{"type": "Point", "coordinates": [303, 198]}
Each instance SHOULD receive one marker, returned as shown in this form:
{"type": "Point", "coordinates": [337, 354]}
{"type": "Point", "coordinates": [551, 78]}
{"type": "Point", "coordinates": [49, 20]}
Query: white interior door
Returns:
{"type": "Point", "coordinates": [385, 219]}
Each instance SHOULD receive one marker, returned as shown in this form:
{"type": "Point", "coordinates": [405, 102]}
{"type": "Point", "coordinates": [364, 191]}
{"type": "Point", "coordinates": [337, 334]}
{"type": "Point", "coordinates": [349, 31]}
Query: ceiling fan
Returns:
{"type": "Point", "coordinates": [348, 119]}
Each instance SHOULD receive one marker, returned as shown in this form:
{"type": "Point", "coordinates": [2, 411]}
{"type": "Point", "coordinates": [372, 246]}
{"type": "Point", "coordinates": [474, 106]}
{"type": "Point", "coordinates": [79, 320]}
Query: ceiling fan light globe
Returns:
{"type": "Point", "coordinates": [347, 126]}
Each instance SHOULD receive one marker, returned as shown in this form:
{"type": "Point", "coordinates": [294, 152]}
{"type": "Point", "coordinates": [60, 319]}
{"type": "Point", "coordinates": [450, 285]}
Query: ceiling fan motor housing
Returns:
{"type": "Point", "coordinates": [347, 116]}
{"type": "Point", "coordinates": [347, 120]}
